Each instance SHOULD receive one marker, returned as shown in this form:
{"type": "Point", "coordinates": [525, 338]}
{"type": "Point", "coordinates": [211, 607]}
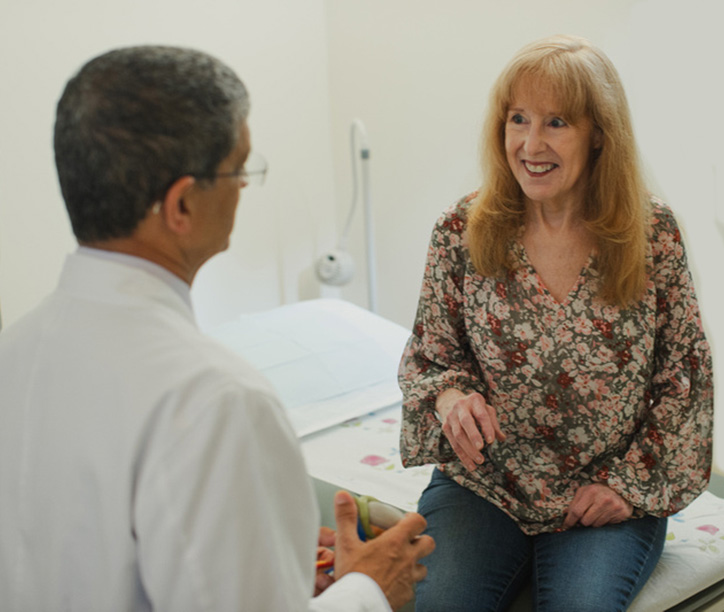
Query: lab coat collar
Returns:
{"type": "Point", "coordinates": [116, 277]}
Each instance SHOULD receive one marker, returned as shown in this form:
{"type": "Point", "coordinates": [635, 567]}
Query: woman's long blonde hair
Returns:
{"type": "Point", "coordinates": [586, 83]}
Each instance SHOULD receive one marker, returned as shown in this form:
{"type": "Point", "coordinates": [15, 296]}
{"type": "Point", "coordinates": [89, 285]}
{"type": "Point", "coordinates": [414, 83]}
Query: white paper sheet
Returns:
{"type": "Point", "coordinates": [329, 360]}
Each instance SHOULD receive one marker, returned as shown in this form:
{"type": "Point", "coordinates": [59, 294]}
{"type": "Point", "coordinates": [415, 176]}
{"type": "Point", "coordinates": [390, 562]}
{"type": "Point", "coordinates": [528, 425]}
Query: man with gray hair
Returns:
{"type": "Point", "coordinates": [142, 465]}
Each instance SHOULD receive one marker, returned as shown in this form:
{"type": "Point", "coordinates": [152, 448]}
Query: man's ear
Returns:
{"type": "Point", "coordinates": [173, 209]}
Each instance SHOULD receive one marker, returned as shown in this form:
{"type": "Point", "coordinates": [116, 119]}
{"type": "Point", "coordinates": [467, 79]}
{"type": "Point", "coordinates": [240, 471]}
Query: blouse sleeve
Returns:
{"type": "Point", "coordinates": [437, 355]}
{"type": "Point", "coordinates": [668, 464]}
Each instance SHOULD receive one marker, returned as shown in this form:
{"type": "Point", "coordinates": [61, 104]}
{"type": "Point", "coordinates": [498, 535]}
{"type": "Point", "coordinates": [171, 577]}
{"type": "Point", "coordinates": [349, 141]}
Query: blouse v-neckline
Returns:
{"type": "Point", "coordinates": [541, 285]}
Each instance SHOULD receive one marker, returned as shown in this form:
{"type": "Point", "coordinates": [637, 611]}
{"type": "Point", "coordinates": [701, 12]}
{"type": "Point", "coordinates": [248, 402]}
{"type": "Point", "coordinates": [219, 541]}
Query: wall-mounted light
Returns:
{"type": "Point", "coordinates": [336, 267]}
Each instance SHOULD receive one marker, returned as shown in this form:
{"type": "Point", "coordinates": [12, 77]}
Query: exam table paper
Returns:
{"type": "Point", "coordinates": [328, 359]}
{"type": "Point", "coordinates": [363, 455]}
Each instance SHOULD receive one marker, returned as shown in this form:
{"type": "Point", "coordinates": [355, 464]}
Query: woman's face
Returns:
{"type": "Point", "coordinates": [548, 156]}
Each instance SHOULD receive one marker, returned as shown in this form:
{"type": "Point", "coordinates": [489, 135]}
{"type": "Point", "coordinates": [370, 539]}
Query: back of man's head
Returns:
{"type": "Point", "coordinates": [134, 120]}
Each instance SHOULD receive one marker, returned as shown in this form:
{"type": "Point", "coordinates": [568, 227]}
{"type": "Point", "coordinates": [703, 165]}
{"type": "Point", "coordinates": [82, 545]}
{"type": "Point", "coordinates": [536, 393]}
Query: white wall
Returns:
{"type": "Point", "coordinates": [418, 72]}
{"type": "Point", "coordinates": [279, 49]}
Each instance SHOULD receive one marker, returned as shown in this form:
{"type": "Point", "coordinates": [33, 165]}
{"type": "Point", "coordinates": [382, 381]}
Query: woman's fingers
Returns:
{"type": "Point", "coordinates": [467, 451]}
{"type": "Point", "coordinates": [469, 426]}
{"type": "Point", "coordinates": [595, 505]}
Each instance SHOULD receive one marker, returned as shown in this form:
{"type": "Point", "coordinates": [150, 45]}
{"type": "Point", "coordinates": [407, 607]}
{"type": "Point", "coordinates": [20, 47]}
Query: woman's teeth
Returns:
{"type": "Point", "coordinates": [539, 168]}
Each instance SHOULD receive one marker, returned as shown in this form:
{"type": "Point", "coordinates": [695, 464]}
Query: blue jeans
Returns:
{"type": "Point", "coordinates": [482, 559]}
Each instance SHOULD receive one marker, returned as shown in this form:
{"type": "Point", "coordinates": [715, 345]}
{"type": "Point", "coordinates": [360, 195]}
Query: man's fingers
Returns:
{"type": "Point", "coordinates": [424, 545]}
{"type": "Point", "coordinates": [345, 514]}
{"type": "Point", "coordinates": [413, 524]}
{"type": "Point", "coordinates": [327, 537]}
{"type": "Point", "coordinates": [409, 529]}
{"type": "Point", "coordinates": [322, 582]}
{"type": "Point", "coordinates": [419, 572]}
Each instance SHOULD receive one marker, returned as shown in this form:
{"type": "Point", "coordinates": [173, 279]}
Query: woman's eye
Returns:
{"type": "Point", "coordinates": [557, 122]}
{"type": "Point", "coordinates": [516, 118]}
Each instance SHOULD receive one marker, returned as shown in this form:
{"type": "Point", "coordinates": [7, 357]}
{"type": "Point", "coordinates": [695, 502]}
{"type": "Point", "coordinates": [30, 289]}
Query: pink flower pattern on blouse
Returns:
{"type": "Point", "coordinates": [585, 391]}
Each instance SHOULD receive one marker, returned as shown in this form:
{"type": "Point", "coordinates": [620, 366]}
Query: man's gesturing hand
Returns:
{"type": "Point", "coordinates": [391, 559]}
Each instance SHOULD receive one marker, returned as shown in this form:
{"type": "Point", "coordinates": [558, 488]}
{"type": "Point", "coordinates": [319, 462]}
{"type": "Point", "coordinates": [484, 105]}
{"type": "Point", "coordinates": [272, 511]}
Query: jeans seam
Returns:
{"type": "Point", "coordinates": [511, 582]}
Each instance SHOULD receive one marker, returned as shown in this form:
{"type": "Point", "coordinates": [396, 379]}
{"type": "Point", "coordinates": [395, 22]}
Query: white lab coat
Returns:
{"type": "Point", "coordinates": [143, 466]}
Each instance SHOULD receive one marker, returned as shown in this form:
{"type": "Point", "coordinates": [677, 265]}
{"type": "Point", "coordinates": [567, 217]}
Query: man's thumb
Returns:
{"type": "Point", "coordinates": [345, 514]}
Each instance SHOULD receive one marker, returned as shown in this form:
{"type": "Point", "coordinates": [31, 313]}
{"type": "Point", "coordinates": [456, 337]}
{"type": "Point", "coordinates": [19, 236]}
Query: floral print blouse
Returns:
{"type": "Point", "coordinates": [584, 391]}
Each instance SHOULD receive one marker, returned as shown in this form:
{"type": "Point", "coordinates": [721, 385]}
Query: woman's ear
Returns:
{"type": "Point", "coordinates": [597, 137]}
{"type": "Point", "coordinates": [173, 209]}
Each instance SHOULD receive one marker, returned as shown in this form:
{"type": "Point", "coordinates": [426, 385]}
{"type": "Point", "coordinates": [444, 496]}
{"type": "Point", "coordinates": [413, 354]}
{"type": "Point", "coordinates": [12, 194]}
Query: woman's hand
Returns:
{"type": "Point", "coordinates": [596, 505]}
{"type": "Point", "coordinates": [469, 423]}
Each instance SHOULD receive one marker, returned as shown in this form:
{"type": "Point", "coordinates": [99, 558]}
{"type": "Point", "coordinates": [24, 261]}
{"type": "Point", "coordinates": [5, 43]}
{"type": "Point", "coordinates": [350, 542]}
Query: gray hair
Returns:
{"type": "Point", "coordinates": [133, 121]}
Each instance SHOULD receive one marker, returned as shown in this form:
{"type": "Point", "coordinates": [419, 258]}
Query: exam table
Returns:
{"type": "Point", "coordinates": [334, 366]}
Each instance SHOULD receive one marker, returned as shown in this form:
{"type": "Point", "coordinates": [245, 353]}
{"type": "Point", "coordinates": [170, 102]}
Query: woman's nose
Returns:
{"type": "Point", "coordinates": [535, 140]}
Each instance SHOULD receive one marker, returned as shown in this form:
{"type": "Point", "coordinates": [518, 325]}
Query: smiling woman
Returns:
{"type": "Point", "coordinates": [572, 84]}
{"type": "Point", "coordinates": [558, 373]}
